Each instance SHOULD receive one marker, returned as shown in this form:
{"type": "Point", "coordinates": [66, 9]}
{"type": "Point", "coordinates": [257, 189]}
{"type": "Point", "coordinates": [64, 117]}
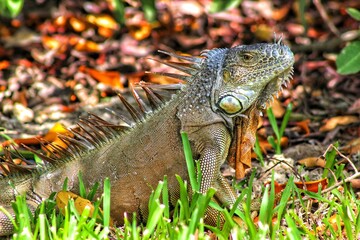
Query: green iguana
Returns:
{"type": "Point", "coordinates": [222, 85]}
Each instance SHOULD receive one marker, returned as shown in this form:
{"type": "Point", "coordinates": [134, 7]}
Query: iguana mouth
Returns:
{"type": "Point", "coordinates": [274, 87]}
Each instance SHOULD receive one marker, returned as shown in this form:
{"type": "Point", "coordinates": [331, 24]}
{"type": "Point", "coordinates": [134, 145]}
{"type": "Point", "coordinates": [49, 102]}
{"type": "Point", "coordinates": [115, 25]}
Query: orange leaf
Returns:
{"type": "Point", "coordinates": [50, 136]}
{"type": "Point", "coordinates": [304, 125]}
{"type": "Point", "coordinates": [55, 43]}
{"type": "Point", "coordinates": [77, 24]}
{"type": "Point", "coordinates": [334, 223]}
{"type": "Point", "coordinates": [141, 31]}
{"type": "Point", "coordinates": [62, 200]}
{"type": "Point", "coordinates": [312, 186]}
{"type": "Point", "coordinates": [104, 21]}
{"type": "Point", "coordinates": [105, 32]}
{"type": "Point", "coordinates": [278, 109]}
{"type": "Point", "coordinates": [4, 64]}
{"type": "Point", "coordinates": [280, 13]}
{"type": "Point", "coordinates": [312, 162]}
{"type": "Point", "coordinates": [110, 78]}
{"type": "Point", "coordinates": [60, 21]}
{"type": "Point", "coordinates": [84, 45]}
{"type": "Point", "coordinates": [333, 122]}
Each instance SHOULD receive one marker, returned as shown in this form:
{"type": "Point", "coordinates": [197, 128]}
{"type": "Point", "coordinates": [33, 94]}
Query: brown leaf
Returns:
{"type": "Point", "coordinates": [352, 147]}
{"type": "Point", "coordinates": [355, 183]}
{"type": "Point", "coordinates": [313, 162]}
{"type": "Point", "coordinates": [277, 109]}
{"type": "Point", "coordinates": [333, 122]}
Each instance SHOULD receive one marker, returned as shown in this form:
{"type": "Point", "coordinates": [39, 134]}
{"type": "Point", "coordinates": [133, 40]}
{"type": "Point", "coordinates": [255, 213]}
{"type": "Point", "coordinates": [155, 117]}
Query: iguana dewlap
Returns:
{"type": "Point", "coordinates": [222, 84]}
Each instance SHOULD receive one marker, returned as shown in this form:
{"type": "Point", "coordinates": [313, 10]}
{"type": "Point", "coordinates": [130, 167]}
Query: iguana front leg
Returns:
{"type": "Point", "coordinates": [212, 143]}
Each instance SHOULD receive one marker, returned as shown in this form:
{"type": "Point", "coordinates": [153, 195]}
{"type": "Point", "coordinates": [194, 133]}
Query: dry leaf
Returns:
{"type": "Point", "coordinates": [333, 122]}
{"type": "Point", "coordinates": [59, 44]}
{"type": "Point", "coordinates": [334, 223]}
{"type": "Point", "coordinates": [355, 183]}
{"type": "Point", "coordinates": [277, 109]}
{"type": "Point", "coordinates": [239, 156]}
{"type": "Point", "coordinates": [313, 186]}
{"type": "Point", "coordinates": [304, 125]}
{"type": "Point", "coordinates": [104, 21]}
{"type": "Point", "coordinates": [141, 31]}
{"type": "Point", "coordinates": [63, 197]}
{"type": "Point", "coordinates": [77, 24]}
{"type": "Point", "coordinates": [4, 64]}
{"type": "Point", "coordinates": [50, 137]}
{"type": "Point", "coordinates": [352, 147]}
{"type": "Point", "coordinates": [84, 45]}
{"type": "Point", "coordinates": [110, 78]}
{"type": "Point", "coordinates": [313, 162]}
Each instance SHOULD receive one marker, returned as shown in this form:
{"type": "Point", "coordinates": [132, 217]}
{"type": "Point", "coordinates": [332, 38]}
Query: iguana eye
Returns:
{"type": "Point", "coordinates": [247, 57]}
{"type": "Point", "coordinates": [230, 104]}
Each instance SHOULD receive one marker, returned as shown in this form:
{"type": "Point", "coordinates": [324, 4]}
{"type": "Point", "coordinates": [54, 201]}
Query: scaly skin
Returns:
{"type": "Point", "coordinates": [222, 86]}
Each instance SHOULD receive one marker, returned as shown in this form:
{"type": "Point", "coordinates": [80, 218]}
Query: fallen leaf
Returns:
{"type": "Point", "coordinates": [4, 64]}
{"type": "Point", "coordinates": [355, 183]}
{"type": "Point", "coordinates": [352, 147]}
{"type": "Point", "coordinates": [277, 108]}
{"type": "Point", "coordinates": [265, 146]}
{"type": "Point", "coordinates": [304, 125]}
{"type": "Point", "coordinates": [312, 186]}
{"type": "Point", "coordinates": [333, 122]}
{"type": "Point", "coordinates": [77, 24]}
{"type": "Point", "coordinates": [282, 12]}
{"type": "Point", "coordinates": [60, 44]}
{"type": "Point", "coordinates": [110, 78]}
{"type": "Point", "coordinates": [84, 45]}
{"type": "Point", "coordinates": [62, 200]}
{"type": "Point", "coordinates": [140, 31]}
{"type": "Point", "coordinates": [333, 222]}
{"type": "Point", "coordinates": [313, 162]}
{"type": "Point", "coordinates": [50, 137]}
{"type": "Point", "coordinates": [104, 21]}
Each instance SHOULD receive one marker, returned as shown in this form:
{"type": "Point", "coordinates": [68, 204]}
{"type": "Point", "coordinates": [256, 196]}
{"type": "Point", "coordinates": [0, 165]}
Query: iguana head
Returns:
{"type": "Point", "coordinates": [251, 74]}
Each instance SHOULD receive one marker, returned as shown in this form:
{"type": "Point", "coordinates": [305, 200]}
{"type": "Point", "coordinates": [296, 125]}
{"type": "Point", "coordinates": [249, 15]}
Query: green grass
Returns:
{"type": "Point", "coordinates": [278, 131]}
{"type": "Point", "coordinates": [285, 216]}
{"type": "Point", "coordinates": [186, 221]}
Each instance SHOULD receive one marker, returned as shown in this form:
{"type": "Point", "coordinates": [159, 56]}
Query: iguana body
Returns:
{"type": "Point", "coordinates": [222, 84]}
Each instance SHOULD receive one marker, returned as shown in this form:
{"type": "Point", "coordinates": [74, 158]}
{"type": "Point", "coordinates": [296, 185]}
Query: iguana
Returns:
{"type": "Point", "coordinates": [222, 85]}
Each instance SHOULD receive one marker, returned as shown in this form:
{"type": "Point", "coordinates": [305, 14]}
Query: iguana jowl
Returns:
{"type": "Point", "coordinates": [222, 84]}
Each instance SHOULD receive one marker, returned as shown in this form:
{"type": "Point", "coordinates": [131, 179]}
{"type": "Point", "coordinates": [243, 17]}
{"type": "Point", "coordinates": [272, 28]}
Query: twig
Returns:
{"type": "Point", "coordinates": [325, 17]}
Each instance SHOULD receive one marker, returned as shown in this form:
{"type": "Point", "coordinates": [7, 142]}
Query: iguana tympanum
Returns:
{"type": "Point", "coordinates": [222, 85]}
